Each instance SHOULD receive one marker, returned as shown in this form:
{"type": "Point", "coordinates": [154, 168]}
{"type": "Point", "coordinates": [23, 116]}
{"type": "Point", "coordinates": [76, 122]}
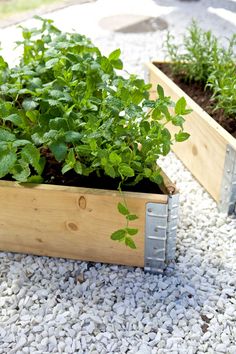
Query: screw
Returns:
{"type": "Point", "coordinates": [156, 229]}
{"type": "Point", "coordinates": [149, 210]}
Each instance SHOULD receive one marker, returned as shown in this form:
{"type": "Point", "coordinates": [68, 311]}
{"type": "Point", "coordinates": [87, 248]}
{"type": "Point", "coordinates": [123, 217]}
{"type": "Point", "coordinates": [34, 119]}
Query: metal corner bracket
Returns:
{"type": "Point", "coordinates": [160, 234]}
{"type": "Point", "coordinates": [228, 187]}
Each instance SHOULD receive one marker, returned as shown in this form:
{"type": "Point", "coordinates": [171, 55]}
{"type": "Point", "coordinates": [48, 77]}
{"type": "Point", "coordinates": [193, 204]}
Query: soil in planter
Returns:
{"type": "Point", "coordinates": [52, 175]}
{"type": "Point", "coordinates": [201, 96]}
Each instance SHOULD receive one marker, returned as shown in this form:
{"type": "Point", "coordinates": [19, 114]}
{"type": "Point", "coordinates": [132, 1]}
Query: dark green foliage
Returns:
{"type": "Point", "coordinates": [202, 58]}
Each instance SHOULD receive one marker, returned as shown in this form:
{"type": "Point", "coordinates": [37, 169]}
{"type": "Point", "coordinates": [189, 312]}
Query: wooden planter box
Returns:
{"type": "Point", "coordinates": [76, 223]}
{"type": "Point", "coordinates": [210, 152]}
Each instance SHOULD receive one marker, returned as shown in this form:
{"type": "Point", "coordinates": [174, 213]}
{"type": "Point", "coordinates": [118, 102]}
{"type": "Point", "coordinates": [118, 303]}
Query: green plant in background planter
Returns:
{"type": "Point", "coordinates": [203, 59]}
{"type": "Point", "coordinates": [66, 114]}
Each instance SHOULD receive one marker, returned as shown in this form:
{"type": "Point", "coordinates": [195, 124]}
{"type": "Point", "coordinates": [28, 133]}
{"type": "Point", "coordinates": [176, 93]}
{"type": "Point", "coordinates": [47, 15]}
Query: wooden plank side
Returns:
{"type": "Point", "coordinates": [204, 152]}
{"type": "Point", "coordinates": [51, 222]}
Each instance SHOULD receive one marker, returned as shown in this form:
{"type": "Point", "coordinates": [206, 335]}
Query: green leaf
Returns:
{"type": "Point", "coordinates": [131, 231]}
{"type": "Point", "coordinates": [130, 243]}
{"type": "Point", "coordinates": [7, 161]}
{"type": "Point", "coordinates": [78, 168]}
{"type": "Point", "coordinates": [126, 171]}
{"type": "Point", "coordinates": [131, 217]}
{"type": "Point", "coordinates": [50, 63]}
{"type": "Point", "coordinates": [15, 119]}
{"type": "Point", "coordinates": [5, 135]}
{"type": "Point", "coordinates": [181, 136]}
{"type": "Point", "coordinates": [21, 171]}
{"type": "Point", "coordinates": [115, 55]}
{"type": "Point", "coordinates": [35, 179]}
{"type": "Point", "coordinates": [72, 137]}
{"type": "Point", "coordinates": [32, 156]}
{"type": "Point", "coordinates": [114, 158]}
{"type": "Point", "coordinates": [180, 106]}
{"type": "Point", "coordinates": [178, 121]}
{"type": "Point", "coordinates": [147, 172]}
{"type": "Point", "coordinates": [58, 123]}
{"type": "Point", "coordinates": [59, 150]}
{"type": "Point", "coordinates": [70, 158]}
{"type": "Point", "coordinates": [156, 178]}
{"type": "Point", "coordinates": [122, 209]}
{"type": "Point", "coordinates": [117, 64]}
{"type": "Point", "coordinates": [66, 168]}
{"type": "Point", "coordinates": [109, 170]}
{"type": "Point", "coordinates": [160, 92]}
{"type": "Point", "coordinates": [118, 235]}
{"type": "Point", "coordinates": [29, 105]}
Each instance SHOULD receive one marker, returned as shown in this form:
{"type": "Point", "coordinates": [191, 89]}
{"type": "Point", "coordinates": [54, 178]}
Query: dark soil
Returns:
{"type": "Point", "coordinates": [202, 96]}
{"type": "Point", "coordinates": [52, 175]}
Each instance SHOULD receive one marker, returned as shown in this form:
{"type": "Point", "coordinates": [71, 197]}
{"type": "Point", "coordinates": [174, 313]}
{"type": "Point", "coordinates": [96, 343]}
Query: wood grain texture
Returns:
{"type": "Point", "coordinates": [204, 152]}
{"type": "Point", "coordinates": [70, 222]}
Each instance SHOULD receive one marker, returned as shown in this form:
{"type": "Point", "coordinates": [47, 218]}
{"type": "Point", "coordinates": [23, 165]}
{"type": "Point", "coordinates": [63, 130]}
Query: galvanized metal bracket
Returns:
{"type": "Point", "coordinates": [160, 234]}
{"type": "Point", "coordinates": [173, 215]}
{"type": "Point", "coordinates": [228, 187]}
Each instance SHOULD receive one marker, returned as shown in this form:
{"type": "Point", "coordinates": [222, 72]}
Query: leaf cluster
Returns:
{"type": "Point", "coordinates": [67, 97]}
{"type": "Point", "coordinates": [202, 58]}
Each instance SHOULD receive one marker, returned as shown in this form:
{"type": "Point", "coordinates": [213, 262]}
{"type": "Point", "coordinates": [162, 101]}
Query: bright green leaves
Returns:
{"type": "Point", "coordinates": [118, 235]}
{"type": "Point", "coordinates": [66, 102]}
{"type": "Point", "coordinates": [114, 59]}
{"type": "Point", "coordinates": [7, 161]}
{"type": "Point", "coordinates": [181, 136]}
{"type": "Point", "coordinates": [122, 209]}
{"type": "Point", "coordinates": [126, 171]}
{"type": "Point", "coordinates": [124, 235]}
{"type": "Point", "coordinates": [115, 158]}
{"type": "Point", "coordinates": [180, 107]}
{"type": "Point", "coordinates": [160, 92]}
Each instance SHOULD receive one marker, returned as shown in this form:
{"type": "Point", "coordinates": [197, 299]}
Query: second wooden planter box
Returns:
{"type": "Point", "coordinates": [210, 152]}
{"type": "Point", "coordinates": [76, 223]}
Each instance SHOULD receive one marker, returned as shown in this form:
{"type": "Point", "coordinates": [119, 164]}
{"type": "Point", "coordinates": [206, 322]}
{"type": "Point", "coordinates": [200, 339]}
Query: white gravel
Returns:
{"type": "Point", "coordinates": [117, 309]}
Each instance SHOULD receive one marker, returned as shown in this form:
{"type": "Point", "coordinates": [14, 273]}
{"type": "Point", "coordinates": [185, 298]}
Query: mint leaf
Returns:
{"type": "Point", "coordinates": [122, 209]}
{"type": "Point", "coordinates": [160, 92]}
{"type": "Point", "coordinates": [126, 171]}
{"type": "Point", "coordinates": [181, 136]}
{"type": "Point", "coordinates": [7, 161]}
{"type": "Point", "coordinates": [6, 135]}
{"type": "Point", "coordinates": [180, 106]}
{"type": "Point", "coordinates": [131, 217]}
{"type": "Point", "coordinates": [131, 231]}
{"type": "Point", "coordinates": [118, 235]}
{"type": "Point", "coordinates": [32, 156]}
{"type": "Point", "coordinates": [115, 55]}
{"type": "Point", "coordinates": [130, 243]}
{"type": "Point", "coordinates": [59, 150]}
{"type": "Point", "coordinates": [114, 158]}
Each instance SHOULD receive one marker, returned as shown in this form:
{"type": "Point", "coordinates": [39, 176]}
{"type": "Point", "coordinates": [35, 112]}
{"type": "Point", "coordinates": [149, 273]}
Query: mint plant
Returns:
{"type": "Point", "coordinates": [65, 97]}
{"type": "Point", "coordinates": [202, 58]}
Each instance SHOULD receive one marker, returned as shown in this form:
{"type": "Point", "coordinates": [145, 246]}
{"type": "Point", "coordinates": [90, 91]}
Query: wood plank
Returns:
{"type": "Point", "coordinates": [70, 222]}
{"type": "Point", "coordinates": [204, 152]}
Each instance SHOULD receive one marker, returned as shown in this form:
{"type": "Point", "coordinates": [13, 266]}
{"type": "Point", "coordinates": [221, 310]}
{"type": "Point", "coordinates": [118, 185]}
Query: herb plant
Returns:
{"type": "Point", "coordinates": [202, 58]}
{"type": "Point", "coordinates": [67, 98]}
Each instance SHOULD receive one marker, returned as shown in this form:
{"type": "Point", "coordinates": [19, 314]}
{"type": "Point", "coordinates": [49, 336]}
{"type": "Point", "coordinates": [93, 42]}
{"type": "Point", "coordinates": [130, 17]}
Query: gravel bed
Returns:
{"type": "Point", "coordinates": [50, 305]}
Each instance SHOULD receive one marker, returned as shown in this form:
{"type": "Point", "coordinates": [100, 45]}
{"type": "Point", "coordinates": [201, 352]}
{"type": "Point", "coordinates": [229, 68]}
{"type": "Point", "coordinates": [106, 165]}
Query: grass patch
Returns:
{"type": "Point", "coordinates": [12, 7]}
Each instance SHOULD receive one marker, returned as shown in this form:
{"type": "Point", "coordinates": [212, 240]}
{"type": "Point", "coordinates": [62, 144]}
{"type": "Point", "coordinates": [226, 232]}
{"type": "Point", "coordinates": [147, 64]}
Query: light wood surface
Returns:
{"type": "Point", "coordinates": [204, 152]}
{"type": "Point", "coordinates": [70, 222]}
